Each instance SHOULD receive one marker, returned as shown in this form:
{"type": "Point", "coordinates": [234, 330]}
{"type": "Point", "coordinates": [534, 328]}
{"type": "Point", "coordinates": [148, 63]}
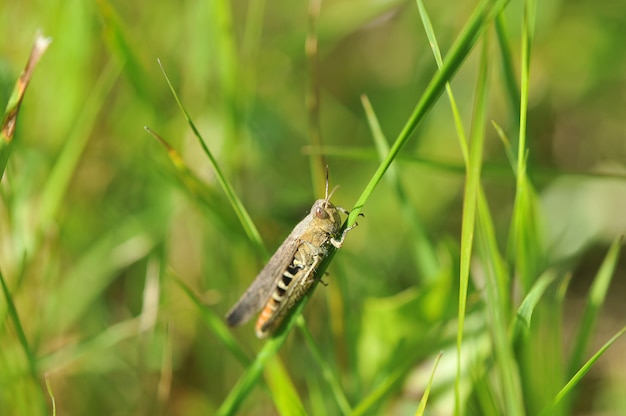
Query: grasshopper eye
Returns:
{"type": "Point", "coordinates": [321, 213]}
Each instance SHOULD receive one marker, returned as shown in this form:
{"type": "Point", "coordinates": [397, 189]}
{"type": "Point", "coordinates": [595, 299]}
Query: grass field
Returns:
{"type": "Point", "coordinates": [483, 141]}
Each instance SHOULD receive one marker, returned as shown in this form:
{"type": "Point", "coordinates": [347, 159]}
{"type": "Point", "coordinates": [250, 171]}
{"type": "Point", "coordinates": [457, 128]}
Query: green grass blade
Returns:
{"type": "Point", "coordinates": [527, 36]}
{"type": "Point", "coordinates": [327, 372]}
{"type": "Point", "coordinates": [491, 170]}
{"type": "Point", "coordinates": [230, 80]}
{"type": "Point", "coordinates": [55, 189]}
{"type": "Point", "coordinates": [472, 187]}
{"type": "Point", "coordinates": [493, 260]}
{"type": "Point", "coordinates": [470, 34]}
{"type": "Point", "coordinates": [218, 210]}
{"type": "Point", "coordinates": [497, 286]}
{"type": "Point", "coordinates": [508, 68]}
{"type": "Point", "coordinates": [215, 323]}
{"type": "Point", "coordinates": [114, 35]}
{"type": "Point", "coordinates": [284, 393]}
{"type": "Point", "coordinates": [235, 202]}
{"type": "Point", "coordinates": [521, 324]}
{"type": "Point", "coordinates": [434, 45]}
{"type": "Point", "coordinates": [92, 346]}
{"type": "Point", "coordinates": [498, 306]}
{"type": "Point", "coordinates": [426, 258]}
{"type": "Point", "coordinates": [385, 386]}
{"type": "Point", "coordinates": [526, 241]}
{"type": "Point", "coordinates": [100, 264]}
{"type": "Point", "coordinates": [510, 153]}
{"type": "Point", "coordinates": [571, 384]}
{"type": "Point", "coordinates": [51, 394]}
{"type": "Point", "coordinates": [250, 378]}
{"type": "Point", "coordinates": [422, 406]}
{"type": "Point", "coordinates": [367, 154]}
{"type": "Point", "coordinates": [316, 160]}
{"type": "Point", "coordinates": [595, 300]}
{"type": "Point", "coordinates": [21, 334]}
{"type": "Point", "coordinates": [484, 395]}
{"type": "Point", "coordinates": [9, 120]}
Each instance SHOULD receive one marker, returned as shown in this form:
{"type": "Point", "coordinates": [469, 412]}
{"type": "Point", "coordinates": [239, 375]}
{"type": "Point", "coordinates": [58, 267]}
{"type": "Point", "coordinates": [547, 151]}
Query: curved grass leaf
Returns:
{"type": "Point", "coordinates": [9, 120]}
{"type": "Point", "coordinates": [214, 322]}
{"type": "Point", "coordinates": [426, 259]}
{"type": "Point", "coordinates": [228, 71]}
{"type": "Point", "coordinates": [235, 202]}
{"type": "Point", "coordinates": [91, 346]}
{"type": "Point", "coordinates": [422, 406]}
{"type": "Point", "coordinates": [508, 70]}
{"type": "Point", "coordinates": [474, 28]}
{"type": "Point", "coordinates": [284, 393]}
{"type": "Point", "coordinates": [526, 242]}
{"type": "Point", "coordinates": [55, 189]}
{"type": "Point", "coordinates": [327, 372]}
{"type": "Point", "coordinates": [521, 324]}
{"type": "Point", "coordinates": [470, 197]}
{"type": "Point", "coordinates": [595, 300]}
{"type": "Point", "coordinates": [21, 334]}
{"type": "Point", "coordinates": [114, 35]}
{"type": "Point", "coordinates": [51, 394]}
{"type": "Point", "coordinates": [576, 378]}
{"type": "Point", "coordinates": [217, 208]}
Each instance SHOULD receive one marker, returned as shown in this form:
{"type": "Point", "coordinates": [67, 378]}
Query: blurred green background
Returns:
{"type": "Point", "coordinates": [95, 225]}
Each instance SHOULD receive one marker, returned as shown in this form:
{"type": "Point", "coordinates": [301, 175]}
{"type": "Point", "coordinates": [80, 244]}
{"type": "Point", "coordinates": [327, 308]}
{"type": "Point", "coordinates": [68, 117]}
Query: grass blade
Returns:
{"type": "Point", "coordinates": [21, 334]}
{"type": "Point", "coordinates": [115, 38]}
{"type": "Point", "coordinates": [9, 121]}
{"type": "Point", "coordinates": [580, 374]}
{"type": "Point", "coordinates": [215, 323]}
{"type": "Point", "coordinates": [426, 259]}
{"type": "Point", "coordinates": [92, 346]}
{"type": "Point", "coordinates": [55, 189]}
{"type": "Point", "coordinates": [472, 186]}
{"type": "Point", "coordinates": [526, 243]}
{"type": "Point", "coordinates": [217, 208]}
{"type": "Point", "coordinates": [474, 199]}
{"type": "Point", "coordinates": [434, 45]}
{"type": "Point", "coordinates": [422, 406]}
{"type": "Point", "coordinates": [235, 202]}
{"type": "Point", "coordinates": [316, 161]}
{"type": "Point", "coordinates": [523, 318]}
{"type": "Point", "coordinates": [101, 263]}
{"type": "Point", "coordinates": [284, 393]}
{"type": "Point", "coordinates": [472, 31]}
{"type": "Point", "coordinates": [507, 66]}
{"type": "Point", "coordinates": [595, 300]}
{"type": "Point", "coordinates": [327, 372]}
{"type": "Point", "coordinates": [51, 394]}
{"type": "Point", "coordinates": [386, 385]}
{"type": "Point", "coordinates": [230, 80]}
{"type": "Point", "coordinates": [498, 306]}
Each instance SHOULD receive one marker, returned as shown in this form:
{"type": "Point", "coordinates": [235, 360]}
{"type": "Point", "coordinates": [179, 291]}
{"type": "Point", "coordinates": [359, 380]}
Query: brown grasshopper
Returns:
{"type": "Point", "coordinates": [290, 273]}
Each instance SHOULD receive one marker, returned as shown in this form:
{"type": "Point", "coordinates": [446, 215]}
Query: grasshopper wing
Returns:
{"type": "Point", "coordinates": [261, 289]}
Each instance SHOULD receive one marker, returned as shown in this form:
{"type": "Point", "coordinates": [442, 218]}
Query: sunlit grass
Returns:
{"type": "Point", "coordinates": [119, 253]}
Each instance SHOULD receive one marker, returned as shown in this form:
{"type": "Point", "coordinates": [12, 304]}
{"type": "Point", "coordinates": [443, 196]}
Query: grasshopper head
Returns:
{"type": "Point", "coordinates": [326, 216]}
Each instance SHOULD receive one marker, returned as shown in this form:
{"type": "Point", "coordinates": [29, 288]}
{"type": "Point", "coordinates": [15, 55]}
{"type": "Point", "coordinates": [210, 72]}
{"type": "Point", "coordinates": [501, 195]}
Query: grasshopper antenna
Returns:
{"type": "Point", "coordinates": [326, 197]}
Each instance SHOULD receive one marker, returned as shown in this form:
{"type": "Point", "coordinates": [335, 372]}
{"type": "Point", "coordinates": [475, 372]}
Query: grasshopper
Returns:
{"type": "Point", "coordinates": [291, 271]}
